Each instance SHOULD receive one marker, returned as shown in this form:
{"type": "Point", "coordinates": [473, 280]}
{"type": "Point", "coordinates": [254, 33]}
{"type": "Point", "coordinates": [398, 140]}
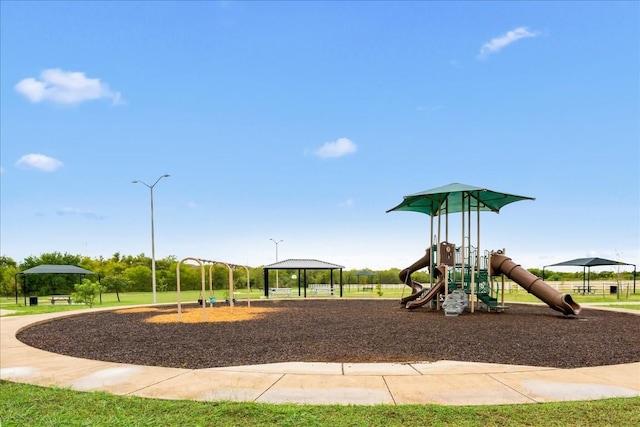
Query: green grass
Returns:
{"type": "Point", "coordinates": [353, 291]}
{"type": "Point", "coordinates": [524, 296]}
{"type": "Point", "coordinates": [28, 405]}
{"type": "Point", "coordinates": [137, 298]}
{"type": "Point", "coordinates": [111, 300]}
{"type": "Point", "coordinates": [625, 306]}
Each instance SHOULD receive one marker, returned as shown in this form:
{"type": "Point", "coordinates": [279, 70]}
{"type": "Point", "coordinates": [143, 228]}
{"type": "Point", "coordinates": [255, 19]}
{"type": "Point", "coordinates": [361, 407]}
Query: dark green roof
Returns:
{"type": "Point", "coordinates": [302, 264]}
{"type": "Point", "coordinates": [56, 269]}
{"type": "Point", "coordinates": [457, 197]}
{"type": "Point", "coordinates": [366, 273]}
{"type": "Point", "coordinates": [589, 262]}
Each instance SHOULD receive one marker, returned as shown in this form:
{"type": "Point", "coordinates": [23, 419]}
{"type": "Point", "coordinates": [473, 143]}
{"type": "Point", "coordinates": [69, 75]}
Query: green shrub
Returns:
{"type": "Point", "coordinates": [86, 292]}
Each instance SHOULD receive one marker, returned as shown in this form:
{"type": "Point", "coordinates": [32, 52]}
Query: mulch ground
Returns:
{"type": "Point", "coordinates": [343, 331]}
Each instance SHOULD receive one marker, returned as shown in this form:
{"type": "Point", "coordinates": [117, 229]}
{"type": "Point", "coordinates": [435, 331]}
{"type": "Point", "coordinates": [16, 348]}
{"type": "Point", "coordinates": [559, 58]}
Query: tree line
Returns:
{"type": "Point", "coordinates": [127, 273]}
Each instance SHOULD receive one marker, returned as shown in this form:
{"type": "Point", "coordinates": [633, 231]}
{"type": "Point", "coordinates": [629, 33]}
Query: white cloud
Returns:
{"type": "Point", "coordinates": [499, 43]}
{"type": "Point", "coordinates": [40, 162]}
{"type": "Point", "coordinates": [339, 148]}
{"type": "Point", "coordinates": [65, 87]}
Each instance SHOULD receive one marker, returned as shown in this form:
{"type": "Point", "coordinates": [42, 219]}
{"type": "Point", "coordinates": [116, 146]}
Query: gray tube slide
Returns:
{"type": "Point", "coordinates": [501, 264]}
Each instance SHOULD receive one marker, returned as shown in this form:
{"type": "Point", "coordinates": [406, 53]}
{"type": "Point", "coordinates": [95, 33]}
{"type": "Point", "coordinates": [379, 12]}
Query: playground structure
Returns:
{"type": "Point", "coordinates": [211, 300]}
{"type": "Point", "coordinates": [449, 277]}
{"type": "Point", "coordinates": [465, 267]}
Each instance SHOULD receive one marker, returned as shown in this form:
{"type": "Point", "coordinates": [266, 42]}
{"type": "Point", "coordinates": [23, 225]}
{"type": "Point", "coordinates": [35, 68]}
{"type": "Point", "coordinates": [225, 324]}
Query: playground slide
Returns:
{"type": "Point", "coordinates": [501, 264]}
{"type": "Point", "coordinates": [405, 276]}
{"type": "Point", "coordinates": [428, 296]}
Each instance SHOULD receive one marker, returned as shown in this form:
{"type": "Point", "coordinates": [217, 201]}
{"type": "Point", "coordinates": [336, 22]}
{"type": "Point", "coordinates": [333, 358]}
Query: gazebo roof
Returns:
{"type": "Point", "coordinates": [589, 262]}
{"type": "Point", "coordinates": [302, 264]}
{"type": "Point", "coordinates": [56, 269]}
{"type": "Point", "coordinates": [366, 273]}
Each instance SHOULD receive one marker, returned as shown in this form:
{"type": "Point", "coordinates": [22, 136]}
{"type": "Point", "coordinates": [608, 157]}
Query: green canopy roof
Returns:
{"type": "Point", "coordinates": [457, 197]}
{"type": "Point", "coordinates": [56, 269]}
{"type": "Point", "coordinates": [589, 262]}
{"type": "Point", "coordinates": [302, 264]}
{"type": "Point", "coordinates": [366, 273]}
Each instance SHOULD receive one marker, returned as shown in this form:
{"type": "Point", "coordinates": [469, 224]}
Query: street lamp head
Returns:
{"type": "Point", "coordinates": [135, 181]}
{"type": "Point", "coordinates": [166, 175]}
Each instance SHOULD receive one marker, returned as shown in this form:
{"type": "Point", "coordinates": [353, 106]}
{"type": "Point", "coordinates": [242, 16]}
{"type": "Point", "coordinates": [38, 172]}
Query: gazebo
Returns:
{"type": "Point", "coordinates": [369, 277]}
{"type": "Point", "coordinates": [47, 269]}
{"type": "Point", "coordinates": [586, 264]}
{"type": "Point", "coordinates": [302, 265]}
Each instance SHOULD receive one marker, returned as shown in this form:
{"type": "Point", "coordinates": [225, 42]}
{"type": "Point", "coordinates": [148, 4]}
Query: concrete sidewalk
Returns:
{"type": "Point", "coordinates": [442, 382]}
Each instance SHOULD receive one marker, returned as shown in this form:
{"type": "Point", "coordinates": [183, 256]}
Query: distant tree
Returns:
{"type": "Point", "coordinates": [134, 274]}
{"type": "Point", "coordinates": [191, 277]}
{"type": "Point", "coordinates": [117, 283]}
{"type": "Point", "coordinates": [86, 292]}
{"type": "Point", "coordinates": [604, 275]}
{"type": "Point", "coordinates": [420, 276]}
{"type": "Point", "coordinates": [257, 277]}
{"type": "Point", "coordinates": [115, 258]}
{"type": "Point", "coordinates": [54, 258]}
{"type": "Point", "coordinates": [166, 274]}
{"type": "Point", "coordinates": [537, 272]}
{"type": "Point", "coordinates": [140, 277]}
{"type": "Point", "coordinates": [8, 271]}
{"type": "Point", "coordinates": [132, 261]}
{"type": "Point", "coordinates": [113, 267]}
{"type": "Point", "coordinates": [220, 277]}
{"type": "Point", "coordinates": [167, 263]}
{"type": "Point", "coordinates": [162, 285]}
{"type": "Point", "coordinates": [240, 278]}
{"type": "Point", "coordinates": [392, 276]}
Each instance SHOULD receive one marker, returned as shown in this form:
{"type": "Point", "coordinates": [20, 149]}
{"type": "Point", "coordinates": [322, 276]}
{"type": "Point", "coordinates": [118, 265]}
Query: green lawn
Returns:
{"type": "Point", "coordinates": [524, 296]}
{"type": "Point", "coordinates": [111, 300]}
{"type": "Point", "coordinates": [353, 291]}
{"type": "Point", "coordinates": [625, 306]}
{"type": "Point", "coordinates": [28, 405]}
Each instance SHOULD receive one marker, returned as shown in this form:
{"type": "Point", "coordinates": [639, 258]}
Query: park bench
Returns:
{"type": "Point", "coordinates": [367, 288]}
{"type": "Point", "coordinates": [280, 291]}
{"type": "Point", "coordinates": [320, 289]}
{"type": "Point", "coordinates": [585, 290]}
{"type": "Point", "coordinates": [55, 298]}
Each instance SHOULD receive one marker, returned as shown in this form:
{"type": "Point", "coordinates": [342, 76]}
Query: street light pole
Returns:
{"type": "Point", "coordinates": [279, 241]}
{"type": "Point", "coordinates": [153, 243]}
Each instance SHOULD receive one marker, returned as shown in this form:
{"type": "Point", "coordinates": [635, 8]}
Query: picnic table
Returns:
{"type": "Point", "coordinates": [55, 298]}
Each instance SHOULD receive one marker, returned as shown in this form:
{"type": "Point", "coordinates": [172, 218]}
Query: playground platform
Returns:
{"type": "Point", "coordinates": [442, 382]}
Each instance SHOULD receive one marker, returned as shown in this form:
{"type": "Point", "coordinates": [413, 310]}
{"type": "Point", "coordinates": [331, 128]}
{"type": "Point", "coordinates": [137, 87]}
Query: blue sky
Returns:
{"type": "Point", "coordinates": [306, 121]}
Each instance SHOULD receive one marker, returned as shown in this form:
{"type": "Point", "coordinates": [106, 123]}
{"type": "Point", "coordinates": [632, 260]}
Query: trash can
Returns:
{"type": "Point", "coordinates": [613, 289]}
{"type": "Point", "coordinates": [33, 300]}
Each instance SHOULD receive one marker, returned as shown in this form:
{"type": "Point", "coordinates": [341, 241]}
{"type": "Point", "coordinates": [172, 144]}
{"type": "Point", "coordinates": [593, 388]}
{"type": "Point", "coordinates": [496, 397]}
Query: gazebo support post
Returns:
{"type": "Point", "coordinates": [305, 282]}
{"type": "Point", "coordinates": [266, 282]}
{"type": "Point", "coordinates": [331, 281]}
